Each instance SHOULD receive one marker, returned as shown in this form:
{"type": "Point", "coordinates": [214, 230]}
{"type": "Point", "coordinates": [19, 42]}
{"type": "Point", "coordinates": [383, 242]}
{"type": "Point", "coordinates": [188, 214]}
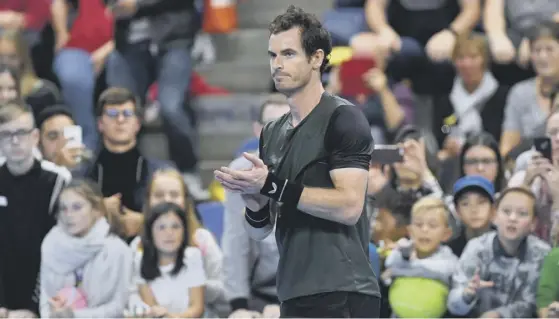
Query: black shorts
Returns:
{"type": "Point", "coordinates": [338, 304]}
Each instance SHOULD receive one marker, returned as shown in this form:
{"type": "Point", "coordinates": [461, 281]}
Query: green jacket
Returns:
{"type": "Point", "coordinates": [548, 288]}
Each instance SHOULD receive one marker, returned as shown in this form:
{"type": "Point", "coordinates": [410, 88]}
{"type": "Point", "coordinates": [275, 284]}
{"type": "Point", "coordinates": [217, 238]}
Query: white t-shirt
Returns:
{"type": "Point", "coordinates": [172, 292]}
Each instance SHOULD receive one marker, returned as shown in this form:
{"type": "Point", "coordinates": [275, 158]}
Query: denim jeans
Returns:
{"type": "Point", "coordinates": [136, 68]}
{"type": "Point", "coordinates": [77, 77]}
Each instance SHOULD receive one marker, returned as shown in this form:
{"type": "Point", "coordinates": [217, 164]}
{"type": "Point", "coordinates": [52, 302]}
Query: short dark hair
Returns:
{"type": "Point", "coordinates": [10, 111]}
{"type": "Point", "coordinates": [274, 99]}
{"type": "Point", "coordinates": [51, 111]}
{"type": "Point", "coordinates": [115, 96]}
{"type": "Point", "coordinates": [149, 268]}
{"type": "Point", "coordinates": [313, 35]}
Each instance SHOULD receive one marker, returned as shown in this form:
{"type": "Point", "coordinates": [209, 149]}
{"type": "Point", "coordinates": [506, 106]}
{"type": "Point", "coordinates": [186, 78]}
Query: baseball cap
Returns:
{"type": "Point", "coordinates": [474, 182]}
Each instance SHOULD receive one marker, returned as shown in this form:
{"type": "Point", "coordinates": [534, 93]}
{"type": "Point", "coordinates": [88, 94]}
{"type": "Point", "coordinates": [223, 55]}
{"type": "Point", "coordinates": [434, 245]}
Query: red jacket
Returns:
{"type": "Point", "coordinates": [37, 12]}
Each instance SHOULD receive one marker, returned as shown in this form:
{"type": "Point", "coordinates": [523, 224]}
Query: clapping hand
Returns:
{"type": "Point", "coordinates": [249, 181]}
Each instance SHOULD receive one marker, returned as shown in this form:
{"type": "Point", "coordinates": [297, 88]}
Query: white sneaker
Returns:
{"type": "Point", "coordinates": [194, 184]}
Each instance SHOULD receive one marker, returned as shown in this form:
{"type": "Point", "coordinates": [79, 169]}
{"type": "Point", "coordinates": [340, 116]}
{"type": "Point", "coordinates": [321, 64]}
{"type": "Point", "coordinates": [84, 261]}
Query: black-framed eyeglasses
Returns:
{"type": "Point", "coordinates": [19, 134]}
{"type": "Point", "coordinates": [114, 114]}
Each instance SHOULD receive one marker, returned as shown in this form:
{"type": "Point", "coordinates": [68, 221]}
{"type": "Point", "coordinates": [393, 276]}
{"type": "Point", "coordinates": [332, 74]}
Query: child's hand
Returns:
{"type": "Point", "coordinates": [405, 246]}
{"type": "Point", "coordinates": [474, 286]}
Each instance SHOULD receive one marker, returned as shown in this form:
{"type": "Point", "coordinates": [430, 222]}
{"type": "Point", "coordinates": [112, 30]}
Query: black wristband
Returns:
{"type": "Point", "coordinates": [281, 190]}
{"type": "Point", "coordinates": [239, 303]}
{"type": "Point", "coordinates": [258, 219]}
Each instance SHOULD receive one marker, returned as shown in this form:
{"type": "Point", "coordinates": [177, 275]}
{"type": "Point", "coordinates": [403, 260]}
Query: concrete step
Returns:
{"type": "Point", "coordinates": [259, 13]}
{"type": "Point", "coordinates": [240, 77]}
{"type": "Point", "coordinates": [245, 45]}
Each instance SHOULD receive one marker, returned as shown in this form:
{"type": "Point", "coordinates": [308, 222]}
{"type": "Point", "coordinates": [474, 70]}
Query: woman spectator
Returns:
{"type": "Point", "coordinates": [85, 268]}
{"type": "Point", "coordinates": [170, 276]}
{"type": "Point", "coordinates": [36, 92]}
{"type": "Point", "coordinates": [480, 156]}
{"type": "Point", "coordinates": [476, 102]}
{"type": "Point", "coordinates": [528, 103]}
{"type": "Point", "coordinates": [168, 186]}
{"type": "Point", "coordinates": [81, 51]}
{"type": "Point", "coordinates": [9, 84]}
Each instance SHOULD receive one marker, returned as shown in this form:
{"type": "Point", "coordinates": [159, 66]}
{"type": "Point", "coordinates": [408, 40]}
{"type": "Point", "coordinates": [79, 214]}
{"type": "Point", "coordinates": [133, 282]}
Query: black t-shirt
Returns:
{"type": "Point", "coordinates": [119, 173]}
{"type": "Point", "coordinates": [318, 255]}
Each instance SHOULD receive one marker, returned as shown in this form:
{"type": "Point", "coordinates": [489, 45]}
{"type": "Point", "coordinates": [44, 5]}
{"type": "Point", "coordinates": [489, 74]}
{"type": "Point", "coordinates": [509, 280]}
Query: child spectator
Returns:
{"type": "Point", "coordinates": [473, 198]}
{"type": "Point", "coordinates": [168, 271]}
{"type": "Point", "coordinates": [421, 268]}
{"type": "Point", "coordinates": [498, 272]}
{"type": "Point", "coordinates": [548, 289]}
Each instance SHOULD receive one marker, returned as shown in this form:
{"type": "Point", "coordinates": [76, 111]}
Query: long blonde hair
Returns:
{"type": "Point", "coordinates": [28, 76]}
{"type": "Point", "coordinates": [192, 220]}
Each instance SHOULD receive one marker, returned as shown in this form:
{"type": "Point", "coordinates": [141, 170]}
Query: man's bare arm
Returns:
{"type": "Point", "coordinates": [343, 203]}
{"type": "Point", "coordinates": [494, 21]}
{"type": "Point", "coordinates": [468, 17]}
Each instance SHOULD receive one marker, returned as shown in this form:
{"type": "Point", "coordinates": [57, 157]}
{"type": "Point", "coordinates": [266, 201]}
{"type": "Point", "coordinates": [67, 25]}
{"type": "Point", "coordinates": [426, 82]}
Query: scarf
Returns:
{"type": "Point", "coordinates": [466, 104]}
{"type": "Point", "coordinates": [63, 254]}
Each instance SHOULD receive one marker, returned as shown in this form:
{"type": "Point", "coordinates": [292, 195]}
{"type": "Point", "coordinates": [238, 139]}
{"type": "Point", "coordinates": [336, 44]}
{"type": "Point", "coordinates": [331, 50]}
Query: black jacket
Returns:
{"type": "Point", "coordinates": [172, 22]}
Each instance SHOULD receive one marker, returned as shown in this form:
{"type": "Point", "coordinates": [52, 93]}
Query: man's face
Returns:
{"type": "Point", "coordinates": [119, 124]}
{"type": "Point", "coordinates": [18, 138]}
{"type": "Point", "coordinates": [271, 113]}
{"type": "Point", "coordinates": [290, 67]}
{"type": "Point", "coordinates": [52, 135]}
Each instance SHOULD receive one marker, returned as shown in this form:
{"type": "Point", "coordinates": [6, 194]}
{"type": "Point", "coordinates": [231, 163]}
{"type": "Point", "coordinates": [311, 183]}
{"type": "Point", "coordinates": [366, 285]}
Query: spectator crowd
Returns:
{"type": "Point", "coordinates": [465, 224]}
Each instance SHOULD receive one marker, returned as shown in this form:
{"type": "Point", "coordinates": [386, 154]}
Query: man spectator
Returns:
{"type": "Point", "coordinates": [250, 266]}
{"type": "Point", "coordinates": [29, 189]}
{"type": "Point", "coordinates": [119, 167]}
{"type": "Point", "coordinates": [54, 146]}
{"type": "Point", "coordinates": [157, 35]}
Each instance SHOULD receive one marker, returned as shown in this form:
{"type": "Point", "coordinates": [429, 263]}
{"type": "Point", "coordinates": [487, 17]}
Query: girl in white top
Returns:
{"type": "Point", "coordinates": [167, 185]}
{"type": "Point", "coordinates": [85, 268]}
{"type": "Point", "coordinates": [170, 274]}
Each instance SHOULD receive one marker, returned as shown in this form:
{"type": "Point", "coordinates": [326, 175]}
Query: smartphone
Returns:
{"type": "Point", "coordinates": [351, 76]}
{"type": "Point", "coordinates": [543, 146]}
{"type": "Point", "coordinates": [387, 154]}
{"type": "Point", "coordinates": [74, 135]}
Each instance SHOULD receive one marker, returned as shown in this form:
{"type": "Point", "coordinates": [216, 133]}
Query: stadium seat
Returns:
{"type": "Point", "coordinates": [212, 217]}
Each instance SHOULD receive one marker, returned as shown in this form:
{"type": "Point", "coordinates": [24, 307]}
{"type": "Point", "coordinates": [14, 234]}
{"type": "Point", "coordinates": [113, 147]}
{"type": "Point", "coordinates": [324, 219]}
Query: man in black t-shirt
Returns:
{"type": "Point", "coordinates": [310, 180]}
{"type": "Point", "coordinates": [29, 190]}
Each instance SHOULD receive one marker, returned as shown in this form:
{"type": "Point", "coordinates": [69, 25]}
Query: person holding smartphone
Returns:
{"type": "Point", "coordinates": [55, 124]}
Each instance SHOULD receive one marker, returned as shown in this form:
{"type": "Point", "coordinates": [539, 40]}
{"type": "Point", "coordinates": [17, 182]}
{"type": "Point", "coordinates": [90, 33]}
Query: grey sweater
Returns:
{"type": "Point", "coordinates": [248, 265]}
{"type": "Point", "coordinates": [515, 278]}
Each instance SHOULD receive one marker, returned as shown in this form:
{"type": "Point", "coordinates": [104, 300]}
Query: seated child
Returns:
{"type": "Point", "coordinates": [498, 272]}
{"type": "Point", "coordinates": [473, 201]}
{"type": "Point", "coordinates": [420, 270]}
